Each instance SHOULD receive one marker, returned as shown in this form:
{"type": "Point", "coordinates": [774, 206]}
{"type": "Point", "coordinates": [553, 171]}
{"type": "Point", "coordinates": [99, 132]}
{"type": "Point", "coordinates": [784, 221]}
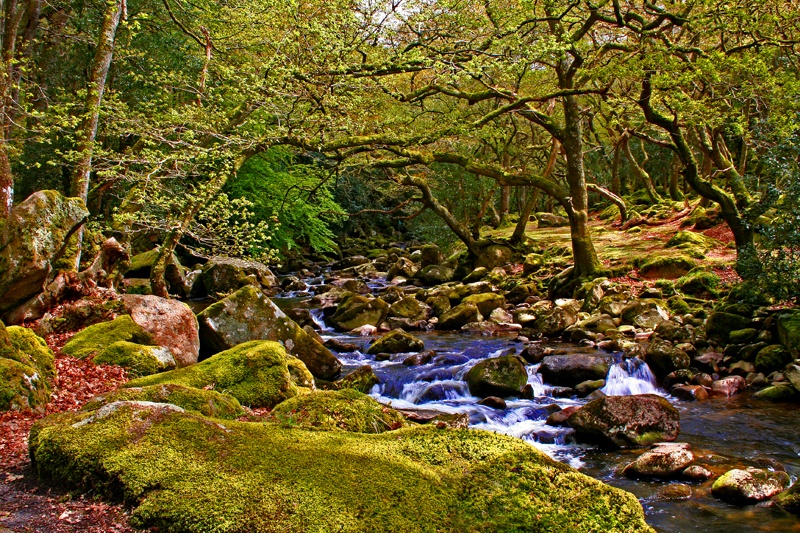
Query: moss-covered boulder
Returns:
{"type": "Point", "coordinates": [204, 401]}
{"type": "Point", "coordinates": [396, 341]}
{"type": "Point", "coordinates": [790, 499]}
{"type": "Point", "coordinates": [749, 486]}
{"type": "Point", "coordinates": [29, 349]}
{"type": "Point", "coordinates": [410, 308]}
{"type": "Point", "coordinates": [689, 237]}
{"type": "Point", "coordinates": [626, 421]}
{"type": "Point", "coordinates": [248, 315]}
{"type": "Point", "coordinates": [139, 359]}
{"type": "Point", "coordinates": [355, 310]}
{"type": "Point", "coordinates": [361, 379]}
{"type": "Point", "coordinates": [499, 376]}
{"type": "Point", "coordinates": [257, 373]}
{"type": "Point", "coordinates": [33, 237]}
{"type": "Point", "coordinates": [720, 324]}
{"type": "Point", "coordinates": [436, 274]}
{"type": "Point", "coordinates": [780, 392]}
{"type": "Point", "coordinates": [224, 275]}
{"type": "Point", "coordinates": [98, 337]}
{"type": "Point", "coordinates": [141, 265]}
{"type": "Point", "coordinates": [665, 358]}
{"type": "Point", "coordinates": [570, 370]}
{"type": "Point", "coordinates": [459, 316]}
{"type": "Point", "coordinates": [645, 313]}
{"type": "Point", "coordinates": [183, 472]}
{"type": "Point", "coordinates": [27, 369]}
{"type": "Point", "coordinates": [663, 460]}
{"type": "Point", "coordinates": [486, 302]}
{"type": "Point", "coordinates": [660, 265]}
{"type": "Point", "coordinates": [533, 263]}
{"type": "Point", "coordinates": [345, 410]}
{"type": "Point", "coordinates": [554, 321]}
{"type": "Point", "coordinates": [772, 358]}
{"type": "Point", "coordinates": [789, 332]}
{"type": "Point", "coordinates": [699, 283]}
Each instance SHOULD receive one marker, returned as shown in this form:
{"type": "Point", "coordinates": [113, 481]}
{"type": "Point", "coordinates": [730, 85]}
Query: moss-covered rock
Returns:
{"type": "Point", "coordinates": [248, 315]}
{"type": "Point", "coordinates": [33, 238]}
{"type": "Point", "coordinates": [361, 379]}
{"type": "Point", "coordinates": [355, 310]}
{"type": "Point", "coordinates": [780, 392]}
{"type": "Point", "coordinates": [771, 358]}
{"type": "Point", "coordinates": [689, 237]}
{"type": "Point", "coordinates": [224, 275]}
{"type": "Point", "coordinates": [204, 401]}
{"type": "Point", "coordinates": [719, 325]}
{"type": "Point", "coordinates": [486, 302]}
{"type": "Point", "coordinates": [699, 283]}
{"type": "Point", "coordinates": [789, 332]}
{"type": "Point", "coordinates": [142, 264]}
{"type": "Point", "coordinates": [533, 263]}
{"type": "Point", "coordinates": [660, 265]}
{"type": "Point", "coordinates": [459, 316]}
{"type": "Point", "coordinates": [346, 410]}
{"type": "Point", "coordinates": [139, 359]}
{"type": "Point", "coordinates": [645, 313]}
{"type": "Point", "coordinates": [26, 369]}
{"type": "Point", "coordinates": [790, 499]}
{"type": "Point", "coordinates": [411, 308]}
{"type": "Point", "coordinates": [499, 376]}
{"type": "Point", "coordinates": [33, 351]}
{"type": "Point", "coordinates": [436, 274]}
{"type": "Point", "coordinates": [554, 321]}
{"type": "Point", "coordinates": [98, 337]}
{"type": "Point", "coordinates": [570, 370]}
{"type": "Point", "coordinates": [396, 341]}
{"type": "Point", "coordinates": [256, 373]}
{"type": "Point", "coordinates": [665, 358]}
{"type": "Point", "coordinates": [742, 336]}
{"type": "Point", "coordinates": [749, 486]}
{"type": "Point", "coordinates": [183, 472]}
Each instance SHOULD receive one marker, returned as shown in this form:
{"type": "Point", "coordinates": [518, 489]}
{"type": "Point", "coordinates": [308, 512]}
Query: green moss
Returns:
{"type": "Point", "coordinates": [486, 302]}
{"type": "Point", "coordinates": [206, 402]}
{"type": "Point", "coordinates": [666, 266]}
{"type": "Point", "coordinates": [396, 341]}
{"type": "Point", "coordinates": [256, 373]}
{"type": "Point", "coordinates": [140, 360]}
{"type": "Point", "coordinates": [790, 499]}
{"type": "Point", "coordinates": [700, 283]}
{"type": "Point", "coordinates": [34, 349]}
{"type": "Point", "coordinates": [772, 358]}
{"type": "Point", "coordinates": [183, 472]}
{"type": "Point", "coordinates": [689, 237]}
{"type": "Point", "coordinates": [98, 337]}
{"type": "Point", "coordinates": [346, 410]}
{"type": "Point", "coordinates": [21, 386]}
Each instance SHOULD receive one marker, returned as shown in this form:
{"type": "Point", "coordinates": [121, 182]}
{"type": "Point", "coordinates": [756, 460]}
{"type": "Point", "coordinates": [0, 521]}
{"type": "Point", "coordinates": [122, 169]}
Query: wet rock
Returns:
{"type": "Point", "coordinates": [402, 267]}
{"type": "Point", "coordinates": [792, 375]}
{"type": "Point", "coordinates": [349, 262]}
{"type": "Point", "coordinates": [719, 325]}
{"type": "Point", "coordinates": [355, 310]}
{"type": "Point", "coordinates": [780, 392]}
{"type": "Point", "coordinates": [356, 286]}
{"type": "Point", "coordinates": [664, 358]}
{"type": "Point", "coordinates": [494, 402]}
{"type": "Point", "coordinates": [396, 341]}
{"type": "Point", "coordinates": [788, 326]}
{"type": "Point", "coordinates": [340, 345]}
{"type": "Point", "coordinates": [33, 239]}
{"type": "Point", "coordinates": [459, 292]}
{"type": "Point", "coordinates": [499, 376]}
{"type": "Point", "coordinates": [697, 473]}
{"type": "Point", "coordinates": [361, 379]}
{"type": "Point", "coordinates": [459, 316]}
{"type": "Point", "coordinates": [626, 421]}
{"type": "Point", "coordinates": [612, 305]}
{"type": "Point", "coordinates": [587, 387]}
{"type": "Point", "coordinates": [597, 324]}
{"type": "Point", "coordinates": [674, 492]}
{"type": "Point", "coordinates": [673, 332]}
{"type": "Point", "coordinates": [171, 323]}
{"type": "Point", "coordinates": [645, 313]}
{"type": "Point", "coordinates": [742, 336]}
{"type": "Point", "coordinates": [559, 418]}
{"type": "Point", "coordinates": [728, 386]}
{"type": "Point", "coordinates": [689, 393]}
{"type": "Point", "coordinates": [440, 304]}
{"type": "Point", "coordinates": [436, 274]}
{"type": "Point", "coordinates": [485, 302]}
{"type": "Point", "coordinates": [476, 275]}
{"type": "Point", "coordinates": [742, 368]}
{"type": "Point", "coordinates": [708, 362]}
{"type": "Point", "coordinates": [419, 359]}
{"type": "Point", "coordinates": [521, 293]}
{"type": "Point", "coordinates": [752, 485]}
{"type": "Point", "coordinates": [534, 353]}
{"type": "Point", "coordinates": [772, 358]}
{"type": "Point", "coordinates": [224, 275]}
{"type": "Point", "coordinates": [410, 308]}
{"type": "Point", "coordinates": [554, 322]}
{"type": "Point", "coordinates": [570, 370]}
{"type": "Point", "coordinates": [249, 315]}
{"type": "Point", "coordinates": [663, 460]}
{"type": "Point", "coordinates": [790, 499]}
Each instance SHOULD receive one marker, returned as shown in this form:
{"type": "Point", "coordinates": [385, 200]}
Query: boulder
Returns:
{"type": "Point", "coordinates": [792, 374]}
{"type": "Point", "coordinates": [772, 358]}
{"type": "Point", "coordinates": [689, 393]}
{"type": "Point", "coordinates": [396, 341]}
{"type": "Point", "coordinates": [728, 386]}
{"type": "Point", "coordinates": [27, 369]}
{"type": "Point", "coordinates": [34, 236]}
{"type": "Point", "coordinates": [142, 264]}
{"type": "Point", "coordinates": [752, 485]}
{"type": "Point", "coordinates": [431, 255]}
{"type": "Point", "coordinates": [138, 359]}
{"type": "Point", "coordinates": [361, 379]}
{"type": "Point", "coordinates": [98, 337]}
{"type": "Point", "coordinates": [257, 373]}
{"type": "Point", "coordinates": [403, 267]}
{"type": "Point", "coordinates": [355, 310]}
{"type": "Point", "coordinates": [224, 275]}
{"type": "Point", "coordinates": [350, 262]}
{"type": "Point", "coordinates": [554, 322]}
{"type": "Point", "coordinates": [570, 370]}
{"type": "Point", "coordinates": [790, 499]}
{"type": "Point", "coordinates": [663, 357]}
{"type": "Point", "coordinates": [485, 302]}
{"type": "Point", "coordinates": [646, 313]}
{"type": "Point", "coordinates": [204, 401]}
{"type": "Point", "coordinates": [436, 274]}
{"type": "Point", "coordinates": [459, 316]}
{"type": "Point", "coordinates": [181, 471]}
{"type": "Point", "coordinates": [248, 315]}
{"type": "Point", "coordinates": [789, 332]}
{"type": "Point", "coordinates": [719, 325]}
{"type": "Point", "coordinates": [626, 421]}
{"type": "Point", "coordinates": [411, 308]}
{"type": "Point", "coordinates": [494, 255]}
{"type": "Point", "coordinates": [171, 323]}
{"type": "Point", "coordinates": [780, 392]}
{"type": "Point", "coordinates": [549, 220]}
{"type": "Point", "coordinates": [499, 376]}
{"type": "Point", "coordinates": [658, 266]}
{"type": "Point", "coordinates": [533, 263]}
{"type": "Point", "coordinates": [663, 460]}
{"type": "Point", "coordinates": [344, 410]}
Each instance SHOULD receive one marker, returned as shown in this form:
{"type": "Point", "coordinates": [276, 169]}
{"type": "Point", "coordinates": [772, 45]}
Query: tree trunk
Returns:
{"type": "Point", "coordinates": [640, 172]}
{"type": "Point", "coordinates": [616, 182]}
{"type": "Point", "coordinates": [87, 134]}
{"type": "Point", "coordinates": [505, 203]}
{"type": "Point", "coordinates": [616, 200]}
{"type": "Point", "coordinates": [675, 179]}
{"type": "Point", "coordinates": [524, 217]}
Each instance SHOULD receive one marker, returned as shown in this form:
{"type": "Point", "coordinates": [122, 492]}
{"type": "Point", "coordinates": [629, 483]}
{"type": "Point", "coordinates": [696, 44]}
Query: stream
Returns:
{"type": "Point", "coordinates": [724, 433]}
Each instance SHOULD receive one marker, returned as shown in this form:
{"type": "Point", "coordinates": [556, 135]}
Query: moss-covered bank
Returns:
{"type": "Point", "coordinates": [182, 472]}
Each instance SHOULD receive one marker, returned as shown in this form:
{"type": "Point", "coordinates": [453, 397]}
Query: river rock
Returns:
{"type": "Point", "coordinates": [499, 376]}
{"type": "Point", "coordinates": [697, 473]}
{"type": "Point", "coordinates": [792, 375]}
{"type": "Point", "coordinates": [436, 274]}
{"type": "Point", "coordinates": [361, 379]}
{"type": "Point", "coordinates": [772, 359]}
{"type": "Point", "coordinates": [788, 325]}
{"type": "Point", "coordinates": [664, 358]}
{"type": "Point", "coordinates": [459, 316]}
{"type": "Point", "coordinates": [33, 237]}
{"type": "Point", "coordinates": [790, 499]}
{"type": "Point", "coordinates": [410, 308]}
{"type": "Point", "coordinates": [142, 264]}
{"type": "Point", "coordinates": [559, 418]}
{"type": "Point", "coordinates": [646, 313]}
{"type": "Point", "coordinates": [612, 304]}
{"type": "Point", "coordinates": [719, 325]}
{"type": "Point", "coordinates": [403, 267]}
{"type": "Point", "coordinates": [689, 393]}
{"type": "Point", "coordinates": [355, 310]}
{"type": "Point", "coordinates": [780, 392]}
{"type": "Point", "coordinates": [728, 386]}
{"type": "Point", "coordinates": [486, 302]}
{"type": "Point", "coordinates": [663, 460]}
{"type": "Point", "coordinates": [535, 352]}
{"type": "Point", "coordinates": [626, 421]}
{"type": "Point", "coordinates": [752, 485]}
{"type": "Point", "coordinates": [171, 323]}
{"type": "Point", "coordinates": [570, 370]}
{"type": "Point", "coordinates": [249, 315]}
{"type": "Point", "coordinates": [396, 341]}
{"type": "Point", "coordinates": [494, 402]}
{"type": "Point", "coordinates": [556, 321]}
{"type": "Point", "coordinates": [350, 262]}
{"type": "Point", "coordinates": [224, 275]}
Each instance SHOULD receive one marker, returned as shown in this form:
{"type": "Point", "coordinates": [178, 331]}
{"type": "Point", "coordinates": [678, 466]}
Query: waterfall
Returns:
{"type": "Point", "coordinates": [317, 317]}
{"type": "Point", "coordinates": [629, 377]}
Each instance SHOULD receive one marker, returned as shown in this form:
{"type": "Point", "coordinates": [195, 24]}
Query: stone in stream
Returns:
{"type": "Point", "coordinates": [340, 345]}
{"type": "Point", "coordinates": [772, 358]}
{"type": "Point", "coordinates": [792, 374]}
{"type": "Point", "coordinates": [499, 376]}
{"type": "Point", "coordinates": [790, 499]}
{"type": "Point", "coordinates": [752, 485]}
{"type": "Point", "coordinates": [662, 460]}
{"type": "Point", "coordinates": [355, 311]}
{"type": "Point", "coordinates": [486, 302]}
{"type": "Point", "coordinates": [689, 393]}
{"type": "Point", "coordinates": [646, 313]}
{"type": "Point", "coordinates": [459, 316]}
{"type": "Point", "coordinates": [361, 379]}
{"type": "Point", "coordinates": [396, 341]}
{"type": "Point", "coordinates": [555, 321]}
{"type": "Point", "coordinates": [411, 308]}
{"type": "Point", "coordinates": [223, 275]}
{"type": "Point", "coordinates": [494, 402]}
{"type": "Point", "coordinates": [626, 421]}
{"type": "Point", "coordinates": [728, 386]}
{"type": "Point", "coordinates": [248, 315]}
{"type": "Point", "coordinates": [719, 325]}
{"type": "Point", "coordinates": [570, 370]}
{"type": "Point", "coordinates": [663, 357]}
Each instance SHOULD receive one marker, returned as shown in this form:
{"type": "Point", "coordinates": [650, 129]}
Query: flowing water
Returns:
{"type": "Point", "coordinates": [723, 432]}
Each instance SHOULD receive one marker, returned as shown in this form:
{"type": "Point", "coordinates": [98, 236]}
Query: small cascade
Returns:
{"type": "Point", "coordinates": [629, 377]}
{"type": "Point", "coordinates": [317, 317]}
{"type": "Point", "coordinates": [536, 381]}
